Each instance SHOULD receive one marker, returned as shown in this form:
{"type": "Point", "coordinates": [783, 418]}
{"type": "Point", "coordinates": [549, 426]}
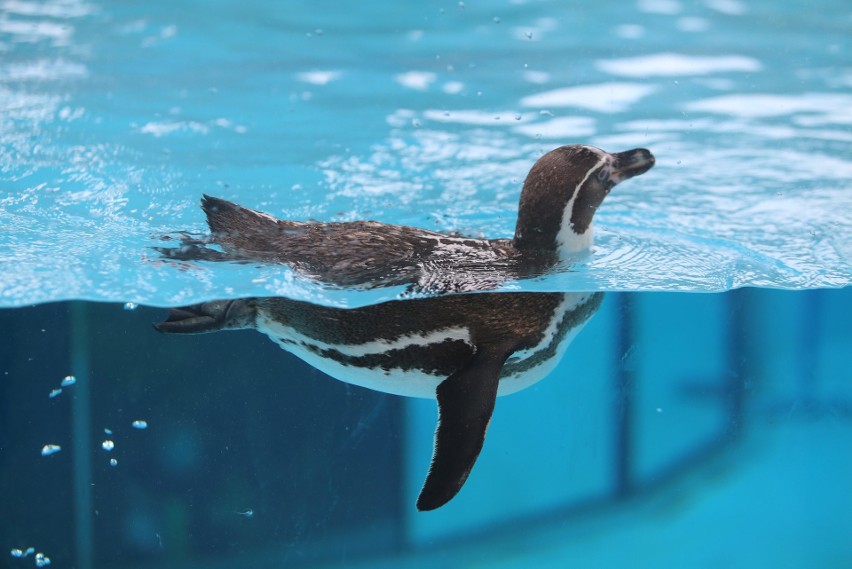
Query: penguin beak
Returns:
{"type": "Point", "coordinates": [631, 163]}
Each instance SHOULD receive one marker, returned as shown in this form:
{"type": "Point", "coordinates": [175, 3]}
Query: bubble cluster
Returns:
{"type": "Point", "coordinates": [67, 381]}
{"type": "Point", "coordinates": [41, 560]}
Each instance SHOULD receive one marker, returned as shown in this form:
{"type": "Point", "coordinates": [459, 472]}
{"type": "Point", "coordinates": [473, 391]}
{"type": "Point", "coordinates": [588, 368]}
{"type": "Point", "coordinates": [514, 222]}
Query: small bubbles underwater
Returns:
{"type": "Point", "coordinates": [21, 553]}
{"type": "Point", "coordinates": [140, 424]}
{"type": "Point", "coordinates": [50, 449]}
{"type": "Point", "coordinates": [67, 381]}
{"type": "Point", "coordinates": [108, 445]}
{"type": "Point", "coordinates": [41, 560]}
{"type": "Point", "coordinates": [130, 306]}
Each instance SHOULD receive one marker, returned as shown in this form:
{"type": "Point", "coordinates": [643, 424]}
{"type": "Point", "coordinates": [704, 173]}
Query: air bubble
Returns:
{"type": "Point", "coordinates": [50, 449]}
{"type": "Point", "coordinates": [42, 560]}
{"type": "Point", "coordinates": [108, 445]}
{"type": "Point", "coordinates": [113, 462]}
{"type": "Point", "coordinates": [518, 117]}
{"type": "Point", "coordinates": [140, 424]}
{"type": "Point", "coordinates": [68, 380]}
{"type": "Point", "coordinates": [108, 431]}
{"type": "Point", "coordinates": [130, 306]}
{"type": "Point", "coordinates": [496, 20]}
{"type": "Point", "coordinates": [415, 123]}
{"type": "Point", "coordinates": [55, 392]}
{"type": "Point", "coordinates": [17, 553]}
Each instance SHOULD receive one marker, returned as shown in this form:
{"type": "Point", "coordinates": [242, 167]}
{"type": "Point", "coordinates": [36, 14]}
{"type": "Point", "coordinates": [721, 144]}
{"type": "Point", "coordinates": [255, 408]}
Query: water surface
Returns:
{"type": "Point", "coordinates": [116, 118]}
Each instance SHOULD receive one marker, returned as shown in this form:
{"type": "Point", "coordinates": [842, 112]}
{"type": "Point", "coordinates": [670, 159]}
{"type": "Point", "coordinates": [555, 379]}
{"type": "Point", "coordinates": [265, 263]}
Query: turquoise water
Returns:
{"type": "Point", "coordinates": [681, 430]}
{"type": "Point", "coordinates": [116, 118]}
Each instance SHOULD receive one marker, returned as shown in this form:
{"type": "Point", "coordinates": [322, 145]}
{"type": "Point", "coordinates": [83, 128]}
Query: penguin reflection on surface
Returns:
{"type": "Point", "coordinates": [463, 349]}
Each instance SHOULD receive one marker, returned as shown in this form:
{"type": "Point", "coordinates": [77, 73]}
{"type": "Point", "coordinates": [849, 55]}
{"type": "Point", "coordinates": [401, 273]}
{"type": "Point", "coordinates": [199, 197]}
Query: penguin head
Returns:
{"type": "Point", "coordinates": [562, 192]}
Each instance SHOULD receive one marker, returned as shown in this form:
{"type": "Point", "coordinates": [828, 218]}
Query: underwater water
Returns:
{"type": "Point", "coordinates": [700, 430]}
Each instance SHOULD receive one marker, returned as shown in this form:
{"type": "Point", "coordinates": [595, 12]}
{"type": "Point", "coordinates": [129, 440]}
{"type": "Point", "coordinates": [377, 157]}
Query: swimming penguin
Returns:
{"type": "Point", "coordinates": [560, 196]}
{"type": "Point", "coordinates": [463, 350]}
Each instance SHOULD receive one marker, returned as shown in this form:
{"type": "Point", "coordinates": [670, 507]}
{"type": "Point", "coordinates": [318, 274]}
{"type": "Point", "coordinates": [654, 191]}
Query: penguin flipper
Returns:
{"type": "Point", "coordinates": [209, 317]}
{"type": "Point", "coordinates": [465, 404]}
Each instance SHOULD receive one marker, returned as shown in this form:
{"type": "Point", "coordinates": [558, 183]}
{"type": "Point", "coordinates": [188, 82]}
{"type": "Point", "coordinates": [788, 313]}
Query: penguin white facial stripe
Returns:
{"type": "Point", "coordinates": [568, 240]}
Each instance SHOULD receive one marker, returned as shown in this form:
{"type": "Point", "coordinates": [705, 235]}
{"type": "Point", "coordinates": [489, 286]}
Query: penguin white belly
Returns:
{"type": "Point", "coordinates": [524, 368]}
{"type": "Point", "coordinates": [408, 382]}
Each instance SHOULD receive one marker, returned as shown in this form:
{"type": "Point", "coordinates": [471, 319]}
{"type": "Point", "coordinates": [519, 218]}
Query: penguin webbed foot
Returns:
{"type": "Point", "coordinates": [208, 317]}
{"type": "Point", "coordinates": [193, 252]}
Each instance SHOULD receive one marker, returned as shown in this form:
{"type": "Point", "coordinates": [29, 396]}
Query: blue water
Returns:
{"type": "Point", "coordinates": [116, 118]}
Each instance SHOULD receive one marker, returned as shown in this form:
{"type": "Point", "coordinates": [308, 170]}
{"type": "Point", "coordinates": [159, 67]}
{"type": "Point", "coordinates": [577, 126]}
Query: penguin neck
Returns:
{"type": "Point", "coordinates": [571, 243]}
{"type": "Point", "coordinates": [554, 233]}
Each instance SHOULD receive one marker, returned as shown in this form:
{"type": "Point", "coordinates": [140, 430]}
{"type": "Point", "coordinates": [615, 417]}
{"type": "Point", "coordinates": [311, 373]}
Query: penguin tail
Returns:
{"type": "Point", "coordinates": [242, 231]}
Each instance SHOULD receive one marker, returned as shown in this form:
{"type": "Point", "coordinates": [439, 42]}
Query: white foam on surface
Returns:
{"type": "Point", "coordinates": [677, 65]}
{"type": "Point", "coordinates": [601, 97]}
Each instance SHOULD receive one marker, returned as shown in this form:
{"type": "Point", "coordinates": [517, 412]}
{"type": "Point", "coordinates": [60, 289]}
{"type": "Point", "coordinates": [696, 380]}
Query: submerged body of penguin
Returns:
{"type": "Point", "coordinates": [462, 349]}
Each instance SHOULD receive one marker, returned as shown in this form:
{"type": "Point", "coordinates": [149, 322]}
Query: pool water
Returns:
{"type": "Point", "coordinates": [701, 430]}
{"type": "Point", "coordinates": [117, 118]}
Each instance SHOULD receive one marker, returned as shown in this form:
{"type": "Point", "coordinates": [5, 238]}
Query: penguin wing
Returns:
{"type": "Point", "coordinates": [465, 404]}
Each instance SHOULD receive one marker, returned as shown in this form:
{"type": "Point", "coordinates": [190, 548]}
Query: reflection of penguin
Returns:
{"type": "Point", "coordinates": [462, 349]}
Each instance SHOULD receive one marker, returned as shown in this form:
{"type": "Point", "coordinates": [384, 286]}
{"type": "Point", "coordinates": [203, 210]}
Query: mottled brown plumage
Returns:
{"type": "Point", "coordinates": [554, 218]}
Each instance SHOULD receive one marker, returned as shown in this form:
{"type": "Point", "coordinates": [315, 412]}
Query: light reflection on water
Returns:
{"type": "Point", "coordinates": [116, 119]}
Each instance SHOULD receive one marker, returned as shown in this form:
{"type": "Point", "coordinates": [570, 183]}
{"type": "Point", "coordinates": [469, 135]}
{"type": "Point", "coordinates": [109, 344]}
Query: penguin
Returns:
{"type": "Point", "coordinates": [461, 349]}
{"type": "Point", "coordinates": [558, 201]}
